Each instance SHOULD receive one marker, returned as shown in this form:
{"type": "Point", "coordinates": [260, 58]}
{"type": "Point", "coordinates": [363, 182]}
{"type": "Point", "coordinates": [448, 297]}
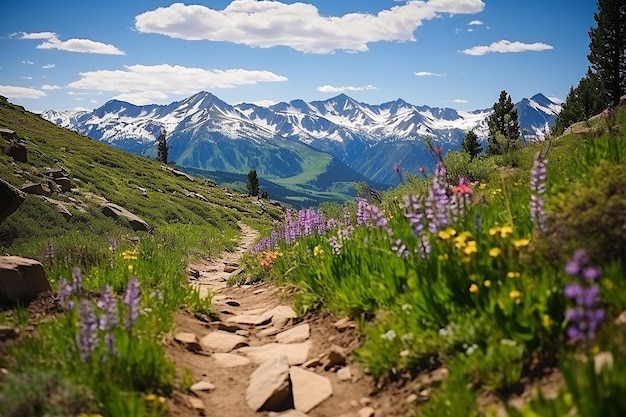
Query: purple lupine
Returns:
{"type": "Point", "coordinates": [585, 316]}
{"type": "Point", "coordinates": [538, 175]}
{"type": "Point", "coordinates": [415, 215]}
{"type": "Point", "coordinates": [131, 299]}
{"type": "Point", "coordinates": [87, 330]}
{"type": "Point", "coordinates": [362, 212]}
{"type": "Point", "coordinates": [108, 318]}
{"type": "Point", "coordinates": [64, 295]}
{"type": "Point", "coordinates": [77, 281]}
{"type": "Point", "coordinates": [113, 245]}
{"type": "Point", "coordinates": [436, 205]}
{"type": "Point", "coordinates": [50, 252]}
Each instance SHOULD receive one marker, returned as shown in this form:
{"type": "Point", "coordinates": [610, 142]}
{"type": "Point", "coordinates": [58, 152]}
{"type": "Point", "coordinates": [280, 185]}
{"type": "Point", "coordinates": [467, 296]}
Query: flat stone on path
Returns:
{"type": "Point", "coordinates": [230, 360]}
{"type": "Point", "coordinates": [189, 340]}
{"type": "Point", "coordinates": [296, 353]}
{"type": "Point", "coordinates": [288, 413]}
{"type": "Point", "coordinates": [222, 341]}
{"type": "Point", "coordinates": [269, 387]}
{"type": "Point", "coordinates": [295, 334]}
{"type": "Point", "coordinates": [202, 386]}
{"type": "Point", "coordinates": [309, 389]}
{"type": "Point", "coordinates": [279, 315]}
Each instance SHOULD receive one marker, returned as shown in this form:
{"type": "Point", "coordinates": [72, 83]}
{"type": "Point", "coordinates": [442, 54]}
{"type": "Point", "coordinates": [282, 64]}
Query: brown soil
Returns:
{"type": "Point", "coordinates": [228, 398]}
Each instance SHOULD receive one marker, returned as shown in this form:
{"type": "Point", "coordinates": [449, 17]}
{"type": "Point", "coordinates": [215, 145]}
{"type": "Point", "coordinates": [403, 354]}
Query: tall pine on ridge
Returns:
{"type": "Point", "coordinates": [504, 132]}
{"type": "Point", "coordinates": [162, 148]}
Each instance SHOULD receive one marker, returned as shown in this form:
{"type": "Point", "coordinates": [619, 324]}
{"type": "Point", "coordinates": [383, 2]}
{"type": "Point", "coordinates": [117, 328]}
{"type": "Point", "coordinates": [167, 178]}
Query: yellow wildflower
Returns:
{"type": "Point", "coordinates": [515, 295]}
{"type": "Point", "coordinates": [494, 230]}
{"type": "Point", "coordinates": [447, 233]}
{"type": "Point", "coordinates": [505, 231]}
{"type": "Point", "coordinates": [129, 255]}
{"type": "Point", "coordinates": [473, 288]}
{"type": "Point", "coordinates": [494, 252]}
{"type": "Point", "coordinates": [317, 251]}
{"type": "Point", "coordinates": [130, 268]}
{"type": "Point", "coordinates": [443, 257]}
{"type": "Point", "coordinates": [487, 283]}
{"type": "Point", "coordinates": [521, 243]}
{"type": "Point", "coordinates": [470, 248]}
{"type": "Point", "coordinates": [546, 321]}
{"type": "Point", "coordinates": [608, 284]}
{"type": "Point", "coordinates": [513, 275]}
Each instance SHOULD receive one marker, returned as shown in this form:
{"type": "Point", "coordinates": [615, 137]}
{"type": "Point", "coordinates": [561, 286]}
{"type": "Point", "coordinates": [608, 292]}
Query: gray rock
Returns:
{"type": "Point", "coordinates": [36, 188]}
{"type": "Point", "coordinates": [309, 389]}
{"type": "Point", "coordinates": [10, 199]}
{"type": "Point", "coordinates": [222, 341]}
{"type": "Point", "coordinates": [17, 151]}
{"type": "Point", "coordinates": [63, 183]}
{"type": "Point", "coordinates": [296, 353]}
{"type": "Point", "coordinates": [269, 388]}
{"type": "Point", "coordinates": [115, 211]}
{"type": "Point", "coordinates": [295, 334]}
{"type": "Point", "coordinates": [21, 280]}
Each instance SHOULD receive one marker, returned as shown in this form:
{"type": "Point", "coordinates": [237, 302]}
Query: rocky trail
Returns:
{"type": "Point", "coordinates": [260, 359]}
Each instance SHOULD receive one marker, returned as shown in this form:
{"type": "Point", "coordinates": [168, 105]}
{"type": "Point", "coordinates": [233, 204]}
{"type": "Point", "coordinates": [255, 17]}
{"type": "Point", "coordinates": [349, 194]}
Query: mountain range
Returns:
{"type": "Point", "coordinates": [288, 143]}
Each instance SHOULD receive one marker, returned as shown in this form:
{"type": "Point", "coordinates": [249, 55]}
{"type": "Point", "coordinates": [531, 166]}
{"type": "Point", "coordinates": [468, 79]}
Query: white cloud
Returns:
{"type": "Point", "coordinates": [505, 46]}
{"type": "Point", "coordinates": [28, 62]}
{"type": "Point", "coordinates": [50, 87]}
{"type": "Point", "coordinates": [298, 25]}
{"type": "Point", "coordinates": [332, 89]}
{"type": "Point", "coordinates": [460, 101]}
{"type": "Point", "coordinates": [52, 41]}
{"type": "Point", "coordinates": [74, 93]}
{"type": "Point", "coordinates": [138, 83]}
{"type": "Point", "coordinates": [428, 74]}
{"type": "Point", "coordinates": [475, 22]}
{"type": "Point", "coordinates": [12, 91]}
{"type": "Point", "coordinates": [48, 66]}
{"type": "Point", "coordinates": [26, 77]}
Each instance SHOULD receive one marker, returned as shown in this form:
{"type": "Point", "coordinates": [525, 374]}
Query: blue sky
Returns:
{"type": "Point", "coordinates": [442, 53]}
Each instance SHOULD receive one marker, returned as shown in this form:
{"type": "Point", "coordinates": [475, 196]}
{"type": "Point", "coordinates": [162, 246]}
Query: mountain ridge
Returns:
{"type": "Point", "coordinates": [341, 126]}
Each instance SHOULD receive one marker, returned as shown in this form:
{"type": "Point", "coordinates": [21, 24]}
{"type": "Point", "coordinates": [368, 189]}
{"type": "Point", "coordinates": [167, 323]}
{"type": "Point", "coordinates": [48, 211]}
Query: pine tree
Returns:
{"type": "Point", "coordinates": [504, 131]}
{"type": "Point", "coordinates": [607, 48]}
{"type": "Point", "coordinates": [583, 102]}
{"type": "Point", "coordinates": [162, 148]}
{"type": "Point", "coordinates": [253, 183]}
{"type": "Point", "coordinates": [471, 145]}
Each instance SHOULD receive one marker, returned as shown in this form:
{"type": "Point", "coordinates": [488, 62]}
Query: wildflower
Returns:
{"type": "Point", "coordinates": [487, 283]}
{"type": "Point", "coordinates": [437, 200]}
{"type": "Point", "coordinates": [77, 281]}
{"type": "Point", "coordinates": [129, 255]}
{"type": "Point", "coordinates": [400, 249]}
{"type": "Point", "coordinates": [471, 349]}
{"type": "Point", "coordinates": [445, 331]}
{"type": "Point", "coordinates": [50, 252]}
{"type": "Point", "coordinates": [317, 251]}
{"type": "Point", "coordinates": [64, 294]}
{"type": "Point", "coordinates": [546, 321]}
{"type": "Point", "coordinates": [113, 245]}
{"type": "Point", "coordinates": [505, 231]}
{"type": "Point", "coordinates": [463, 187]}
{"type": "Point", "coordinates": [537, 189]}
{"type": "Point", "coordinates": [470, 248]}
{"type": "Point", "coordinates": [108, 319]}
{"type": "Point", "coordinates": [130, 268]}
{"type": "Point", "coordinates": [512, 274]}
{"type": "Point", "coordinates": [515, 295]}
{"type": "Point", "coordinates": [520, 243]}
{"type": "Point", "coordinates": [131, 299]}
{"type": "Point", "coordinates": [389, 335]}
{"type": "Point", "coordinates": [88, 330]}
{"type": "Point", "coordinates": [336, 244]}
{"type": "Point", "coordinates": [586, 315]}
{"type": "Point", "coordinates": [495, 252]}
{"type": "Point", "coordinates": [473, 288]}
{"type": "Point", "coordinates": [447, 233]}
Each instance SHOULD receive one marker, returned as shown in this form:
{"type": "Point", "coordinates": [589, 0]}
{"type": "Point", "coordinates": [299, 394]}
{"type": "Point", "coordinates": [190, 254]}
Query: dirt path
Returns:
{"type": "Point", "coordinates": [244, 327]}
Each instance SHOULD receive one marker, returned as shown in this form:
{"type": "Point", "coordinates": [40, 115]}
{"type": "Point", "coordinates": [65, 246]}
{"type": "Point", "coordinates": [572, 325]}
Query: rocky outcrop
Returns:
{"type": "Point", "coordinates": [115, 211]}
{"type": "Point", "coordinates": [21, 280]}
{"type": "Point", "coordinates": [17, 151]}
{"type": "Point", "coordinates": [36, 188]}
{"type": "Point", "coordinates": [59, 206]}
{"type": "Point", "coordinates": [10, 199]}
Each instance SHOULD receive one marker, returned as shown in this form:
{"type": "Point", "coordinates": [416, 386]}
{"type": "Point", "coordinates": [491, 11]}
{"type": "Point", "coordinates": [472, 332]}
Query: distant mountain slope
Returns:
{"type": "Point", "coordinates": [206, 133]}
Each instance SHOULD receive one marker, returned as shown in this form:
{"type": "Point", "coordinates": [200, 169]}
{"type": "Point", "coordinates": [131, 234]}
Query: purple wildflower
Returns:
{"type": "Point", "coordinates": [400, 249]}
{"type": "Point", "coordinates": [108, 318]}
{"type": "Point", "coordinates": [87, 330]}
{"type": "Point", "coordinates": [131, 299]}
{"type": "Point", "coordinates": [538, 176]}
{"type": "Point", "coordinates": [77, 281]}
{"type": "Point", "coordinates": [113, 245]}
{"type": "Point", "coordinates": [50, 252]}
{"type": "Point", "coordinates": [336, 244]}
{"type": "Point", "coordinates": [436, 205]}
{"type": "Point", "coordinates": [64, 295]}
{"type": "Point", "coordinates": [585, 316]}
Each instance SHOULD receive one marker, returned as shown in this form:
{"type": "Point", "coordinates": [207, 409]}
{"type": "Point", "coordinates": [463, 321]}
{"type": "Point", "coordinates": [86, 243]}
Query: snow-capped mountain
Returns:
{"type": "Point", "coordinates": [201, 126]}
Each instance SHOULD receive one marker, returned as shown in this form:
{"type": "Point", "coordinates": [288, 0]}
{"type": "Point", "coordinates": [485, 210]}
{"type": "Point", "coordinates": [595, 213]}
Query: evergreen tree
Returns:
{"type": "Point", "coordinates": [253, 183]}
{"type": "Point", "coordinates": [471, 145]}
{"type": "Point", "coordinates": [607, 48]}
{"type": "Point", "coordinates": [504, 132]}
{"type": "Point", "coordinates": [583, 102]}
{"type": "Point", "coordinates": [162, 148]}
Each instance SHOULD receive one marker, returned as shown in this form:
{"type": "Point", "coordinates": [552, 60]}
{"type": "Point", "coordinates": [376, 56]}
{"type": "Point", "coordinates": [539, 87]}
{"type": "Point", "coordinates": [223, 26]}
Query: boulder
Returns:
{"type": "Point", "coordinates": [63, 183]}
{"type": "Point", "coordinates": [115, 211]}
{"type": "Point", "coordinates": [21, 280]}
{"type": "Point", "coordinates": [17, 151]}
{"type": "Point", "coordinates": [36, 188]}
{"type": "Point", "coordinates": [308, 388]}
{"type": "Point", "coordinates": [269, 387]}
{"type": "Point", "coordinates": [10, 199]}
{"type": "Point", "coordinates": [8, 134]}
